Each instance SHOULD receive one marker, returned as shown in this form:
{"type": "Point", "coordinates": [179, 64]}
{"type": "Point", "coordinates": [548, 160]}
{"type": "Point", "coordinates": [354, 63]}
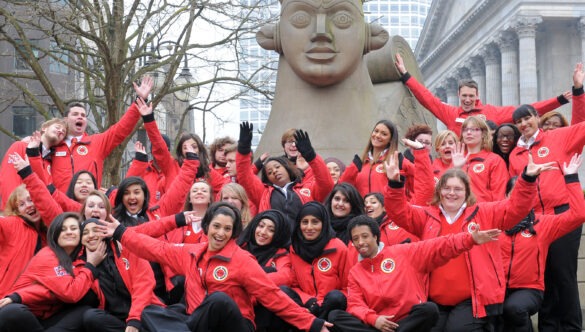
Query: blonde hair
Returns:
{"type": "Point", "coordinates": [442, 137]}
{"type": "Point", "coordinates": [242, 196]}
{"type": "Point", "coordinates": [11, 208]}
{"type": "Point", "coordinates": [104, 198]}
{"type": "Point", "coordinates": [486, 137]}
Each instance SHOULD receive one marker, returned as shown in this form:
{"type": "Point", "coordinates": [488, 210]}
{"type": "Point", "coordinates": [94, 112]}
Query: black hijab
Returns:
{"type": "Point", "coordinates": [281, 239]}
{"type": "Point", "coordinates": [309, 250]}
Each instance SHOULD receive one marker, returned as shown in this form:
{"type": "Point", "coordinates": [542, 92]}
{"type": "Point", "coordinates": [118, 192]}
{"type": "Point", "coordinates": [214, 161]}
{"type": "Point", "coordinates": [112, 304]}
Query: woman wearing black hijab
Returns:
{"type": "Point", "coordinates": [318, 260]}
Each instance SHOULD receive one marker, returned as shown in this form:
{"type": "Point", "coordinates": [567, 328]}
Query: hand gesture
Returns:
{"type": "Point", "coordinates": [392, 167]}
{"type": "Point", "coordinates": [96, 257]}
{"type": "Point", "coordinates": [533, 169]}
{"type": "Point", "coordinates": [302, 163]}
{"type": "Point", "coordinates": [357, 161]}
{"type": "Point", "coordinates": [578, 75]}
{"type": "Point", "coordinates": [568, 94]}
{"type": "Point", "coordinates": [325, 326]}
{"type": "Point", "coordinates": [400, 64]}
{"type": "Point", "coordinates": [191, 217]}
{"type": "Point", "coordinates": [5, 301]}
{"type": "Point", "coordinates": [413, 144]}
{"type": "Point", "coordinates": [384, 324]}
{"type": "Point", "coordinates": [264, 156]}
{"type": "Point", "coordinates": [145, 87]}
{"type": "Point", "coordinates": [303, 144]}
{"type": "Point", "coordinates": [245, 141]}
{"type": "Point", "coordinates": [574, 164]}
{"type": "Point", "coordinates": [458, 157]}
{"type": "Point", "coordinates": [143, 108]}
{"type": "Point", "coordinates": [131, 329]}
{"type": "Point", "coordinates": [481, 237]}
{"type": "Point", "coordinates": [139, 147]}
{"type": "Point", "coordinates": [16, 160]}
{"type": "Point", "coordinates": [34, 140]}
{"type": "Point", "coordinates": [108, 227]}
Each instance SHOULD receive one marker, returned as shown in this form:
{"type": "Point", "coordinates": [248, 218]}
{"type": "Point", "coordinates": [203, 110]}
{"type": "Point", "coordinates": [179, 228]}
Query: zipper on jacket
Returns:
{"type": "Point", "coordinates": [511, 259]}
{"type": "Point", "coordinates": [473, 293]}
{"type": "Point", "coordinates": [314, 281]}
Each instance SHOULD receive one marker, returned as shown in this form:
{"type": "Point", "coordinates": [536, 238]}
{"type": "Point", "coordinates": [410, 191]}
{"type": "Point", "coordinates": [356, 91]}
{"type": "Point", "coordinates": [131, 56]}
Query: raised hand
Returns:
{"type": "Point", "coordinates": [533, 169]}
{"type": "Point", "coordinates": [413, 144]}
{"type": "Point", "coordinates": [303, 144]}
{"type": "Point", "coordinates": [139, 147]}
{"type": "Point", "coordinates": [34, 140]}
{"type": "Point", "coordinates": [191, 217]}
{"type": "Point", "coordinates": [574, 164]}
{"type": "Point", "coordinates": [481, 237]}
{"type": "Point", "coordinates": [16, 160]}
{"type": "Point", "coordinates": [357, 161]}
{"type": "Point", "coordinates": [392, 167]}
{"type": "Point", "coordinates": [458, 156]}
{"type": "Point", "coordinates": [578, 76]}
{"type": "Point", "coordinates": [400, 64]}
{"type": "Point", "coordinates": [143, 108]}
{"type": "Point", "coordinates": [145, 87]}
{"type": "Point", "coordinates": [246, 134]}
{"type": "Point", "coordinates": [96, 257]}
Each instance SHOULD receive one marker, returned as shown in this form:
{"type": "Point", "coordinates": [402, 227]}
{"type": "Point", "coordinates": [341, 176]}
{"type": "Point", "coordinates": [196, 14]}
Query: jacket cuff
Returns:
{"type": "Point", "coordinates": [15, 298]}
{"type": "Point", "coordinates": [571, 178]}
{"type": "Point", "coordinates": [119, 232]}
{"type": "Point", "coordinates": [93, 269]}
{"type": "Point", "coordinates": [191, 156]}
{"type": "Point", "coordinates": [396, 184]}
{"type": "Point", "coordinates": [25, 172]}
{"type": "Point", "coordinates": [578, 92]}
{"type": "Point", "coordinates": [51, 188]}
{"type": "Point", "coordinates": [528, 178]}
{"type": "Point", "coordinates": [317, 325]}
{"type": "Point", "coordinates": [562, 100]}
{"type": "Point", "coordinates": [33, 152]}
{"type": "Point", "coordinates": [141, 156]}
{"type": "Point", "coordinates": [258, 163]}
{"type": "Point", "coordinates": [180, 219]}
{"type": "Point", "coordinates": [148, 118]}
{"type": "Point", "coordinates": [405, 77]}
{"type": "Point", "coordinates": [134, 323]}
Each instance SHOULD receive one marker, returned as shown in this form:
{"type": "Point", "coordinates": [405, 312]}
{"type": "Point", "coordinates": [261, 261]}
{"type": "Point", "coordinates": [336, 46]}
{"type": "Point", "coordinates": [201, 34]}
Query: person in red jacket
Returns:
{"type": "Point", "coordinates": [282, 186]}
{"type": "Point", "coordinates": [221, 280]}
{"type": "Point", "coordinates": [125, 281]}
{"type": "Point", "coordinates": [486, 170]}
{"type": "Point", "coordinates": [445, 144]}
{"type": "Point", "coordinates": [469, 289]}
{"type": "Point", "coordinates": [342, 204]}
{"type": "Point", "coordinates": [80, 151]}
{"type": "Point", "coordinates": [54, 279]}
{"type": "Point", "coordinates": [39, 147]}
{"type": "Point", "coordinates": [390, 233]}
{"type": "Point", "coordinates": [525, 249]}
{"type": "Point", "coordinates": [470, 104]}
{"type": "Point", "coordinates": [217, 154]}
{"type": "Point", "coordinates": [386, 288]}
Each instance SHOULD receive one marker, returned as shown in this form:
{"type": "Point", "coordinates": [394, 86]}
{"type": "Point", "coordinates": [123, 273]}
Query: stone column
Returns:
{"type": "Point", "coordinates": [582, 30]}
{"type": "Point", "coordinates": [493, 75]}
{"type": "Point", "coordinates": [526, 30]}
{"type": "Point", "coordinates": [509, 68]}
{"type": "Point", "coordinates": [477, 71]}
{"type": "Point", "coordinates": [442, 94]}
{"type": "Point", "coordinates": [451, 87]}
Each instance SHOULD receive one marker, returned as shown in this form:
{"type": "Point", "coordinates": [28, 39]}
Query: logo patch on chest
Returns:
{"type": "Point", "coordinates": [526, 233]}
{"type": "Point", "coordinates": [543, 152]}
{"type": "Point", "coordinates": [478, 168]}
{"type": "Point", "coordinates": [220, 273]}
{"type": "Point", "coordinates": [393, 226]}
{"type": "Point", "coordinates": [380, 168]}
{"type": "Point", "coordinates": [387, 265]}
{"type": "Point", "coordinates": [82, 150]}
{"type": "Point", "coordinates": [472, 227]}
{"type": "Point", "coordinates": [324, 264]}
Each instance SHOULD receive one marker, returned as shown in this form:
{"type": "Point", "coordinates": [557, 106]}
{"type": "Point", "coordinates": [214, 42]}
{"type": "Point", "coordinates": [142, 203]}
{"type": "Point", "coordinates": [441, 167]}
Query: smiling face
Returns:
{"type": "Point", "coordinates": [83, 186]}
{"type": "Point", "coordinates": [133, 198]}
{"type": "Point", "coordinates": [528, 125]}
{"type": "Point", "coordinates": [334, 171]}
{"type": "Point", "coordinates": [290, 148]}
{"type": "Point", "coordinates": [374, 207]}
{"type": "Point", "coordinates": [505, 139]}
{"type": "Point", "coordinates": [468, 96]}
{"type": "Point", "coordinates": [26, 207]}
{"type": "Point", "coordinates": [91, 238]}
{"type": "Point", "coordinates": [200, 194]}
{"type": "Point", "coordinates": [453, 194]}
{"type": "Point", "coordinates": [219, 232]}
{"type": "Point", "coordinates": [311, 227]}
{"type": "Point", "coordinates": [552, 123]}
{"type": "Point", "coordinates": [380, 137]}
{"type": "Point", "coordinates": [364, 241]}
{"type": "Point", "coordinates": [95, 207]}
{"type": "Point", "coordinates": [472, 136]}
{"type": "Point", "coordinates": [277, 173]}
{"type": "Point", "coordinates": [340, 205]}
{"type": "Point", "coordinates": [264, 232]}
{"type": "Point", "coordinates": [76, 121]}
{"type": "Point", "coordinates": [322, 40]}
{"type": "Point", "coordinates": [69, 236]}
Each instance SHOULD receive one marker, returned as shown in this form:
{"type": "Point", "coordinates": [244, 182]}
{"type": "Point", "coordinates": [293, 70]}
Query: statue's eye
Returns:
{"type": "Point", "coordinates": [342, 20]}
{"type": "Point", "coordinates": [300, 19]}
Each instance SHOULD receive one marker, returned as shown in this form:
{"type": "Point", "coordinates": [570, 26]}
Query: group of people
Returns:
{"type": "Point", "coordinates": [475, 230]}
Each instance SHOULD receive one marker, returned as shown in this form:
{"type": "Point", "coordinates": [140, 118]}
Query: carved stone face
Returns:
{"type": "Point", "coordinates": [322, 40]}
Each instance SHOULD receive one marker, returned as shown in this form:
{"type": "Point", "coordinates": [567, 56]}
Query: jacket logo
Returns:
{"type": "Point", "coordinates": [126, 264]}
{"type": "Point", "coordinates": [543, 152]}
{"type": "Point", "coordinates": [482, 116]}
{"type": "Point", "coordinates": [60, 271]}
{"type": "Point", "coordinates": [472, 227]}
{"type": "Point", "coordinates": [324, 264]}
{"type": "Point", "coordinates": [526, 233]}
{"type": "Point", "coordinates": [387, 265]}
{"type": "Point", "coordinates": [220, 273]}
{"type": "Point", "coordinates": [393, 226]}
{"type": "Point", "coordinates": [82, 150]}
{"type": "Point", "coordinates": [478, 168]}
{"type": "Point", "coordinates": [305, 192]}
{"type": "Point", "coordinates": [380, 168]}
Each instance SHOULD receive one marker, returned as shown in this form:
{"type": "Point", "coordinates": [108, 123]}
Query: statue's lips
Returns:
{"type": "Point", "coordinates": [321, 53]}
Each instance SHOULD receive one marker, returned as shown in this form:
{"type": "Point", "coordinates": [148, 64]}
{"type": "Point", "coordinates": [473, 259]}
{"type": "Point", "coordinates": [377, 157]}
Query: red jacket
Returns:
{"type": "Point", "coordinates": [231, 270]}
{"type": "Point", "coordinates": [488, 175]}
{"type": "Point", "coordinates": [453, 116]}
{"type": "Point", "coordinates": [394, 280]}
{"type": "Point", "coordinates": [439, 169]}
{"type": "Point", "coordinates": [89, 154]}
{"type": "Point", "coordinates": [58, 286]}
{"type": "Point", "coordinates": [138, 279]}
{"type": "Point", "coordinates": [558, 145]}
{"type": "Point", "coordinates": [260, 193]}
{"type": "Point", "coordinates": [326, 273]}
{"type": "Point", "coordinates": [392, 234]}
{"type": "Point", "coordinates": [483, 262]}
{"type": "Point", "coordinates": [524, 254]}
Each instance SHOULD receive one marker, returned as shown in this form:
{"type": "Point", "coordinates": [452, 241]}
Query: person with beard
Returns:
{"type": "Point", "coordinates": [505, 138]}
{"type": "Point", "coordinates": [343, 203]}
{"type": "Point", "coordinates": [319, 262]}
{"type": "Point", "coordinates": [38, 148]}
{"type": "Point", "coordinates": [267, 238]}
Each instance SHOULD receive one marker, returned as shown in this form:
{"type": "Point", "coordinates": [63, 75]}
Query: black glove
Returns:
{"type": "Point", "coordinates": [358, 162]}
{"type": "Point", "coordinates": [245, 141]}
{"type": "Point", "coordinates": [313, 306]}
{"type": "Point", "coordinates": [304, 146]}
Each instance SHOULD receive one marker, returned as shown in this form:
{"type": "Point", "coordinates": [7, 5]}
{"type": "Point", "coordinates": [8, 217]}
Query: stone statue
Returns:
{"type": "Point", "coordinates": [323, 85]}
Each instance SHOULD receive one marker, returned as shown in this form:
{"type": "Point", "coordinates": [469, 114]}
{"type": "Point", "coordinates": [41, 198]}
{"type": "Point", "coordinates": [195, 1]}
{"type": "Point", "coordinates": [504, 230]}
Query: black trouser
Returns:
{"type": "Point", "coordinates": [421, 318]}
{"type": "Point", "coordinates": [519, 305]}
{"type": "Point", "coordinates": [218, 312]}
{"type": "Point", "coordinates": [16, 317]}
{"type": "Point", "coordinates": [98, 320]}
{"type": "Point", "coordinates": [459, 318]}
{"type": "Point", "coordinates": [334, 300]}
{"type": "Point", "coordinates": [561, 309]}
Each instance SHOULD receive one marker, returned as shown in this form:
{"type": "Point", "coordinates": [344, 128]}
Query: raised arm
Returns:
{"type": "Point", "coordinates": [323, 181]}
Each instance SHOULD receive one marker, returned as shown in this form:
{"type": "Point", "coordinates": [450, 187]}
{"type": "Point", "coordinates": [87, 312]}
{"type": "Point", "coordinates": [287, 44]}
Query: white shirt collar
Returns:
{"type": "Point", "coordinates": [459, 213]}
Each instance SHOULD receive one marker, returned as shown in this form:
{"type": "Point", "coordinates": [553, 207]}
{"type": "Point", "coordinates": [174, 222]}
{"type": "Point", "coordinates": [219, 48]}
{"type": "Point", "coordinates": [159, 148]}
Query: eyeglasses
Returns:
{"type": "Point", "coordinates": [473, 130]}
{"type": "Point", "coordinates": [291, 142]}
{"type": "Point", "coordinates": [507, 137]}
{"type": "Point", "coordinates": [447, 190]}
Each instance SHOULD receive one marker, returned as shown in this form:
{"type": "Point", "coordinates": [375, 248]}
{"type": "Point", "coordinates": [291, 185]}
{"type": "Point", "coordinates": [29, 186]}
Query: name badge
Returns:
{"type": "Point", "coordinates": [61, 154]}
{"type": "Point", "coordinates": [460, 120]}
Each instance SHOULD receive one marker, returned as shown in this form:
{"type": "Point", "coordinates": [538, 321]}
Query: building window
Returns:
{"type": "Point", "coordinates": [59, 59]}
{"type": "Point", "coordinates": [19, 61]}
{"type": "Point", "coordinates": [24, 121]}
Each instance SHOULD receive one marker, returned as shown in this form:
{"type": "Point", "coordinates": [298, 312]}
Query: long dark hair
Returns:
{"type": "Point", "coordinates": [203, 170]}
{"type": "Point", "coordinates": [293, 172]}
{"type": "Point", "coordinates": [392, 144]}
{"type": "Point", "coordinates": [353, 196]}
{"type": "Point", "coordinates": [55, 229]}
{"type": "Point", "coordinates": [120, 209]}
{"type": "Point", "coordinates": [225, 209]}
{"type": "Point", "coordinates": [71, 189]}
